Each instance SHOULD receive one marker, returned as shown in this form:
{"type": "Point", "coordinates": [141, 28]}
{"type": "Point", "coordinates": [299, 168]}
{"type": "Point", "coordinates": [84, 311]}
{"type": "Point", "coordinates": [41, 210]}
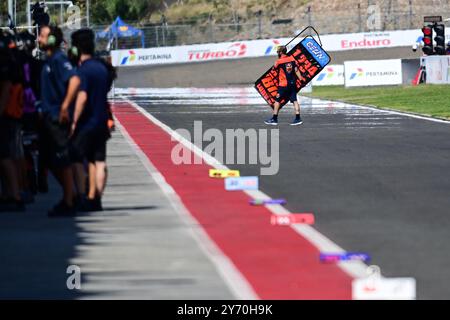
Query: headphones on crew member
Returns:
{"type": "Point", "coordinates": [52, 40]}
{"type": "Point", "coordinates": [74, 51]}
{"type": "Point", "coordinates": [78, 36]}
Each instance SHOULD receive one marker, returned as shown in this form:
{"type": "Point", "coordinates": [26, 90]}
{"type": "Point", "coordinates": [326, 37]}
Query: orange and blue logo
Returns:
{"type": "Point", "coordinates": [271, 48]}
{"type": "Point", "coordinates": [328, 73]}
{"type": "Point", "coordinates": [129, 58]}
{"type": "Point", "coordinates": [359, 73]}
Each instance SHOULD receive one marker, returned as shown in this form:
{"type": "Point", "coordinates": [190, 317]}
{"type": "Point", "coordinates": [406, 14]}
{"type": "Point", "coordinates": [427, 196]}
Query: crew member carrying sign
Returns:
{"type": "Point", "coordinates": [288, 74]}
{"type": "Point", "coordinates": [292, 71]}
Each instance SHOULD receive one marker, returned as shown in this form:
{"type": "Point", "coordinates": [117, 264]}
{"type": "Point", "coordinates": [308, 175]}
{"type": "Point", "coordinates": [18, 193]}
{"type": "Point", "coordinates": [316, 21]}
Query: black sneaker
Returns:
{"type": "Point", "coordinates": [296, 122]}
{"type": "Point", "coordinates": [98, 204]}
{"type": "Point", "coordinates": [271, 122]}
{"type": "Point", "coordinates": [91, 205]}
{"type": "Point", "coordinates": [62, 210]}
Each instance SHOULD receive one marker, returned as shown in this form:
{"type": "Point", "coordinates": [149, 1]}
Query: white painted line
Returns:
{"type": "Point", "coordinates": [390, 111]}
{"type": "Point", "coordinates": [236, 282]}
{"type": "Point", "coordinates": [355, 269]}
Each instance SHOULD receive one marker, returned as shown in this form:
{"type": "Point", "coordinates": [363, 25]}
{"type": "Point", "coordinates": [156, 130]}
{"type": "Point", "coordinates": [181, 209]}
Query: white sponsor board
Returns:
{"type": "Point", "coordinates": [195, 53]}
{"type": "Point", "coordinates": [370, 40]}
{"type": "Point", "coordinates": [331, 75]}
{"type": "Point", "coordinates": [136, 57]}
{"type": "Point", "coordinates": [384, 289]}
{"type": "Point", "coordinates": [261, 48]}
{"type": "Point", "coordinates": [373, 73]}
{"type": "Point", "coordinates": [438, 69]}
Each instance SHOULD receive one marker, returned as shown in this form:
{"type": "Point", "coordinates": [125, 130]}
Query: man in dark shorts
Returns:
{"type": "Point", "coordinates": [287, 77]}
{"type": "Point", "coordinates": [59, 85]}
{"type": "Point", "coordinates": [90, 122]}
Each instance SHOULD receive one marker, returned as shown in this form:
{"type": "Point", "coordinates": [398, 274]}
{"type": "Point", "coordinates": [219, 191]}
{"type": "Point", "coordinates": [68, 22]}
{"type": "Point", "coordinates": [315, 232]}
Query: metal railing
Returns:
{"type": "Point", "coordinates": [209, 32]}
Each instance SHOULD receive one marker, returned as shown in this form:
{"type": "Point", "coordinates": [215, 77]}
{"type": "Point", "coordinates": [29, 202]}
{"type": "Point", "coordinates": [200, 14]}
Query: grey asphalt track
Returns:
{"type": "Point", "coordinates": [377, 182]}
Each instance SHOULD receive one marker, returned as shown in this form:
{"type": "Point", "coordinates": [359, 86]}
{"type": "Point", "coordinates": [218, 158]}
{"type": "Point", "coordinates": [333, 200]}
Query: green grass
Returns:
{"type": "Point", "coordinates": [430, 100]}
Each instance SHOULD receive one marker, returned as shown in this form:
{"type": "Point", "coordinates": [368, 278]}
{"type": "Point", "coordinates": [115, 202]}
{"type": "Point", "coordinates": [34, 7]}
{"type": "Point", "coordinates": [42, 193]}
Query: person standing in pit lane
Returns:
{"type": "Point", "coordinates": [288, 74]}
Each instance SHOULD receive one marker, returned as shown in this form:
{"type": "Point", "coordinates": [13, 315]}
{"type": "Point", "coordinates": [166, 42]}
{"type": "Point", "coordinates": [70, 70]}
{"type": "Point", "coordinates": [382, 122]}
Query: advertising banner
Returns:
{"type": "Point", "coordinates": [373, 73]}
{"type": "Point", "coordinates": [331, 75]}
{"type": "Point", "coordinates": [195, 53]}
{"type": "Point", "coordinates": [261, 48]}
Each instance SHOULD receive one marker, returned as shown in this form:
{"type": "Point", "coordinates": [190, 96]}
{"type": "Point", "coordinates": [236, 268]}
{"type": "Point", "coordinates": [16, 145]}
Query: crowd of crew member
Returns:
{"type": "Point", "coordinates": [54, 118]}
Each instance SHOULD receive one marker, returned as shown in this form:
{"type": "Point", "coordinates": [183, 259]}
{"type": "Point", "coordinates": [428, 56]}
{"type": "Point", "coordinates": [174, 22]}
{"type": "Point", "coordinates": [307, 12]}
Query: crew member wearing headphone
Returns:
{"type": "Point", "coordinates": [90, 121]}
{"type": "Point", "coordinates": [59, 86]}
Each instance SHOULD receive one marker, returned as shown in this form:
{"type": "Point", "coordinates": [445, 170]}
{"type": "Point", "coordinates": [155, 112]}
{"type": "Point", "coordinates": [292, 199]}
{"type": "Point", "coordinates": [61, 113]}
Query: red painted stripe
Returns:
{"type": "Point", "coordinates": [276, 261]}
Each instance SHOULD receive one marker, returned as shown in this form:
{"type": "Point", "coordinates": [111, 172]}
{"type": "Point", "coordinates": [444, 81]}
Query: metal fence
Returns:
{"type": "Point", "coordinates": [336, 22]}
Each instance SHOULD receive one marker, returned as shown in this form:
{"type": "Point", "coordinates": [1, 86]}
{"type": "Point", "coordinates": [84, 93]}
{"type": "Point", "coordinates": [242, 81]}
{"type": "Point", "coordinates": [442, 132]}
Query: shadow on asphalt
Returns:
{"type": "Point", "coordinates": [36, 251]}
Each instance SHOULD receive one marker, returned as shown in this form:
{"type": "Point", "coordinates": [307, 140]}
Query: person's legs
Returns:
{"type": "Point", "coordinates": [297, 108]}
{"type": "Point", "coordinates": [65, 179]}
{"type": "Point", "coordinates": [11, 179]}
{"type": "Point", "coordinates": [293, 99]}
{"type": "Point", "coordinates": [92, 181]}
{"type": "Point", "coordinates": [280, 95]}
{"type": "Point", "coordinates": [64, 176]}
{"type": "Point", "coordinates": [276, 109]}
{"type": "Point", "coordinates": [97, 181]}
{"type": "Point", "coordinates": [101, 176]}
{"type": "Point", "coordinates": [90, 144]}
{"type": "Point", "coordinates": [7, 156]}
{"type": "Point", "coordinates": [11, 199]}
{"type": "Point", "coordinates": [100, 161]}
{"type": "Point", "coordinates": [62, 166]}
{"type": "Point", "coordinates": [67, 185]}
{"type": "Point", "coordinates": [79, 176]}
{"type": "Point", "coordinates": [78, 144]}
{"type": "Point", "coordinates": [64, 208]}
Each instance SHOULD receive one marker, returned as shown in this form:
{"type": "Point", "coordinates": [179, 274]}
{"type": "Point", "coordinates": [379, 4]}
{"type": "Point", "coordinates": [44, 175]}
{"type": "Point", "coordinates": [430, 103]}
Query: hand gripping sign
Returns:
{"type": "Point", "coordinates": [310, 60]}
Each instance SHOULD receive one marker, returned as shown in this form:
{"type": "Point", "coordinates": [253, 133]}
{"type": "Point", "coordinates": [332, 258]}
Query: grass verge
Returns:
{"type": "Point", "coordinates": [429, 100]}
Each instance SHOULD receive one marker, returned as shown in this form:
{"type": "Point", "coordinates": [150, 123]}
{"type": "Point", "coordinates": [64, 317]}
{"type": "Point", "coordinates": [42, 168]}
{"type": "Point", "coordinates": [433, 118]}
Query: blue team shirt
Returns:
{"type": "Point", "coordinates": [55, 76]}
{"type": "Point", "coordinates": [94, 81]}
